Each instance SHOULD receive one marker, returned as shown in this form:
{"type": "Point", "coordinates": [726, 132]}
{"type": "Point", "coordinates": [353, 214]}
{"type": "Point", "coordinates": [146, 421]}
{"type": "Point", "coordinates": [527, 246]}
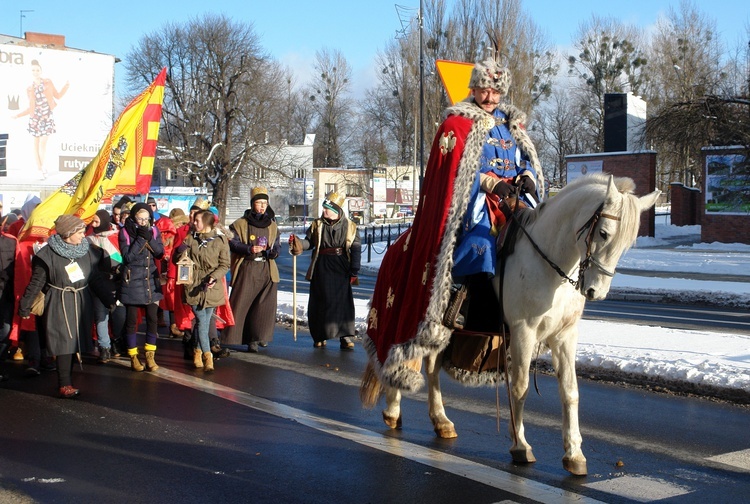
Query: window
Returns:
{"type": "Point", "coordinates": [299, 173]}
{"type": "Point", "coordinates": [353, 190]}
{"type": "Point", "coordinates": [259, 172]}
{"type": "Point", "coordinates": [234, 188]}
{"type": "Point", "coordinates": [3, 153]}
{"type": "Point", "coordinates": [330, 188]}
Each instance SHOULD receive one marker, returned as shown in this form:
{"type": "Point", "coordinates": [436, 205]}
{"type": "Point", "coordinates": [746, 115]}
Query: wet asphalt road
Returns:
{"type": "Point", "coordinates": [286, 425]}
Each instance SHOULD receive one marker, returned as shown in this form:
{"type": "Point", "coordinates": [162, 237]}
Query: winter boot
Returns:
{"type": "Point", "coordinates": [104, 355]}
{"type": "Point", "coordinates": [150, 362]}
{"type": "Point", "coordinates": [197, 354]}
{"type": "Point", "coordinates": [135, 364]}
{"type": "Point", "coordinates": [118, 346]}
{"type": "Point", "coordinates": [208, 361]}
{"type": "Point", "coordinates": [188, 344]}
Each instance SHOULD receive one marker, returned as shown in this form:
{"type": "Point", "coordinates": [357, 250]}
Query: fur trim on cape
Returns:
{"type": "Point", "coordinates": [432, 336]}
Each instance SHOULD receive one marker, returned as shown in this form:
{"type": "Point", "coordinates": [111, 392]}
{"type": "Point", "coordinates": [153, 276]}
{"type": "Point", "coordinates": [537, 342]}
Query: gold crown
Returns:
{"type": "Point", "coordinates": [201, 203]}
{"type": "Point", "coordinates": [336, 198]}
{"type": "Point", "coordinates": [258, 192]}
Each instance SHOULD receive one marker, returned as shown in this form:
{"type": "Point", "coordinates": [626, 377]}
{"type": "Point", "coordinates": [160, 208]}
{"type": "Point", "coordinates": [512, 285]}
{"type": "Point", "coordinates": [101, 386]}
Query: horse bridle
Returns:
{"type": "Point", "coordinates": [585, 263]}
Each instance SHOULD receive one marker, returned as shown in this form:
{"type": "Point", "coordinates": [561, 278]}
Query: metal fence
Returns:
{"type": "Point", "coordinates": [377, 239]}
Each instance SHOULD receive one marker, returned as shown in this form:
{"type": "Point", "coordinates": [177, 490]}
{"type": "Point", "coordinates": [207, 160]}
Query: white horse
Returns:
{"type": "Point", "coordinates": [568, 253]}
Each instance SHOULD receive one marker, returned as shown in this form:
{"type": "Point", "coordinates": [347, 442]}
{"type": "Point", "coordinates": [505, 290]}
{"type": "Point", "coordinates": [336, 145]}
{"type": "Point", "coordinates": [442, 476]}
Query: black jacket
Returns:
{"type": "Point", "coordinates": [141, 284]}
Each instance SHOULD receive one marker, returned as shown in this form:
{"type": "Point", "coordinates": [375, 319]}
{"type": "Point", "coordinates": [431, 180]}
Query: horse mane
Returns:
{"type": "Point", "coordinates": [594, 187]}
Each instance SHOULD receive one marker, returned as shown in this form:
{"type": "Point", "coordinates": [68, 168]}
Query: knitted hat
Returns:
{"type": "Point", "coordinates": [105, 222]}
{"type": "Point", "coordinates": [66, 225]}
{"type": "Point", "coordinates": [137, 208]}
{"type": "Point", "coordinates": [150, 200]}
{"type": "Point", "coordinates": [489, 74]}
{"type": "Point", "coordinates": [259, 192]}
{"type": "Point", "coordinates": [8, 220]}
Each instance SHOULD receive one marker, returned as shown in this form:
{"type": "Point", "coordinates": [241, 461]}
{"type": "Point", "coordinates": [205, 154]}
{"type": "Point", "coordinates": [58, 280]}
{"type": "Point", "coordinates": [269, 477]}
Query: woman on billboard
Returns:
{"type": "Point", "coordinates": [42, 95]}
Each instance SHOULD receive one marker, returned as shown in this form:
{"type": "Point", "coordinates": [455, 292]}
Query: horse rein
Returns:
{"type": "Point", "coordinates": [590, 259]}
{"type": "Point", "coordinates": [584, 264]}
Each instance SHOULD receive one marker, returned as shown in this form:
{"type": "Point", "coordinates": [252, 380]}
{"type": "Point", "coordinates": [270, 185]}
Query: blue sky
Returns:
{"type": "Point", "coordinates": [294, 29]}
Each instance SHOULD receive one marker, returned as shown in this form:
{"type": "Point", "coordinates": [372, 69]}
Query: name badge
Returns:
{"type": "Point", "coordinates": [75, 274]}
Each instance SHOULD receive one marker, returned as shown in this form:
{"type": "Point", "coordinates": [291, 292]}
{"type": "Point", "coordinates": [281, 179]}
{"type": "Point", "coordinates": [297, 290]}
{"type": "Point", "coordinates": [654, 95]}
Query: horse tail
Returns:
{"type": "Point", "coordinates": [370, 389]}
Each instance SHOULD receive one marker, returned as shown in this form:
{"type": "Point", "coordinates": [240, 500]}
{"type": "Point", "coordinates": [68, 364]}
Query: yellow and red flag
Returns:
{"type": "Point", "coordinates": [455, 76]}
{"type": "Point", "coordinates": [124, 165]}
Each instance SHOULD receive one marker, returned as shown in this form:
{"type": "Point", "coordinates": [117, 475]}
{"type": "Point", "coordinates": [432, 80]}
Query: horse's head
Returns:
{"type": "Point", "coordinates": [608, 232]}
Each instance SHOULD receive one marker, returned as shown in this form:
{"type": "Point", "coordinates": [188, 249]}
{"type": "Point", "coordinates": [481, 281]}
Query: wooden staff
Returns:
{"type": "Point", "coordinates": [294, 297]}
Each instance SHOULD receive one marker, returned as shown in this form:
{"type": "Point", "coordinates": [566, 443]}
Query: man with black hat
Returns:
{"type": "Point", "coordinates": [481, 155]}
{"type": "Point", "coordinates": [255, 276]}
{"type": "Point", "coordinates": [337, 252]}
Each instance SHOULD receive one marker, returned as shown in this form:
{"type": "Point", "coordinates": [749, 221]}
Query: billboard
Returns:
{"type": "Point", "coordinates": [56, 109]}
{"type": "Point", "coordinates": [727, 184]}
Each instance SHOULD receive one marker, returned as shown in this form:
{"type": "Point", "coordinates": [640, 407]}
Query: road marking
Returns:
{"type": "Point", "coordinates": [639, 488]}
{"type": "Point", "coordinates": [740, 459]}
{"type": "Point", "coordinates": [740, 323]}
{"type": "Point", "coordinates": [496, 478]}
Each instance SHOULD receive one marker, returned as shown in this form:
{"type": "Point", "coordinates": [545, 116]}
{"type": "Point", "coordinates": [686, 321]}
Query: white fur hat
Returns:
{"type": "Point", "coordinates": [489, 74]}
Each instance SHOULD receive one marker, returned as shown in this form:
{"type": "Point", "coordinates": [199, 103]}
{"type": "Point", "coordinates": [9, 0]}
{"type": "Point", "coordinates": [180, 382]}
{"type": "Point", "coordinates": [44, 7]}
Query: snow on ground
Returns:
{"type": "Point", "coordinates": [716, 359]}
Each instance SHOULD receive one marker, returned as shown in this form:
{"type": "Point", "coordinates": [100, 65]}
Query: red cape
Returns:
{"type": "Point", "coordinates": [404, 288]}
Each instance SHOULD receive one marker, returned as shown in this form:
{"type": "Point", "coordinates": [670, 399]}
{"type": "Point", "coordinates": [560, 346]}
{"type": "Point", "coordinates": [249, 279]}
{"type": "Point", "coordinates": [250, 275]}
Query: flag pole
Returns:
{"type": "Point", "coordinates": [294, 297]}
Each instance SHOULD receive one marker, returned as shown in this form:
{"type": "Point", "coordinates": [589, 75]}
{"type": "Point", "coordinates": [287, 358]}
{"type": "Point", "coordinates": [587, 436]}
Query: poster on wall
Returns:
{"type": "Point", "coordinates": [580, 168]}
{"type": "Point", "coordinates": [56, 108]}
{"type": "Point", "coordinates": [727, 184]}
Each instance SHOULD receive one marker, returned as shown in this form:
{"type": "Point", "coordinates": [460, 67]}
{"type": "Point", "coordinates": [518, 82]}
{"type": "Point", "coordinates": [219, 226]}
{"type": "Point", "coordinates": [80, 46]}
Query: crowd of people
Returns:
{"type": "Point", "coordinates": [91, 286]}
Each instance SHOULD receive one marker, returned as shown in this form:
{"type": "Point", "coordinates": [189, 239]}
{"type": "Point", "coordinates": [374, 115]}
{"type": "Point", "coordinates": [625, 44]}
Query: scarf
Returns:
{"type": "Point", "coordinates": [68, 250]}
{"type": "Point", "coordinates": [204, 239]}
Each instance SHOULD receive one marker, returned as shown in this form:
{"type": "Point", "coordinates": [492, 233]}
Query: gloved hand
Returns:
{"type": "Point", "coordinates": [295, 245]}
{"type": "Point", "coordinates": [503, 189]}
{"type": "Point", "coordinates": [526, 184]}
{"type": "Point", "coordinates": [144, 232]}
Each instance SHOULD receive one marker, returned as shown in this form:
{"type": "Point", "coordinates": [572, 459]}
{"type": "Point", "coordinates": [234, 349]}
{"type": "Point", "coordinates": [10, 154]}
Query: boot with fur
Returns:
{"type": "Point", "coordinates": [197, 358]}
{"type": "Point", "coordinates": [208, 361]}
{"type": "Point", "coordinates": [135, 364]}
{"type": "Point", "coordinates": [150, 362]}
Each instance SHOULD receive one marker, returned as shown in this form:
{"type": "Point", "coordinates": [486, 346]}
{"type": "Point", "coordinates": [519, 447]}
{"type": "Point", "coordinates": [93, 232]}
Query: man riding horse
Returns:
{"type": "Point", "coordinates": [481, 155]}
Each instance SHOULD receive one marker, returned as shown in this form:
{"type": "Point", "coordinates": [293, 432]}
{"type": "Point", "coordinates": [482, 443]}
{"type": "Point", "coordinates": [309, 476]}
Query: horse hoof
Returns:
{"type": "Point", "coordinates": [523, 456]}
{"type": "Point", "coordinates": [392, 422]}
{"type": "Point", "coordinates": [575, 467]}
{"type": "Point", "coordinates": [446, 432]}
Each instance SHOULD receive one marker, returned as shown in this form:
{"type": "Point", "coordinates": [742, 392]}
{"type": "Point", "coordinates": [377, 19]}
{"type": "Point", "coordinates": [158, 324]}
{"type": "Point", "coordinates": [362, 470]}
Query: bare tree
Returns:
{"type": "Point", "coordinates": [329, 93]}
{"type": "Point", "coordinates": [219, 97]}
{"type": "Point", "coordinates": [559, 134]}
{"type": "Point", "coordinates": [521, 44]}
{"type": "Point", "coordinates": [685, 56]}
{"type": "Point", "coordinates": [609, 60]}
{"type": "Point", "coordinates": [470, 32]}
{"type": "Point", "coordinates": [392, 109]}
